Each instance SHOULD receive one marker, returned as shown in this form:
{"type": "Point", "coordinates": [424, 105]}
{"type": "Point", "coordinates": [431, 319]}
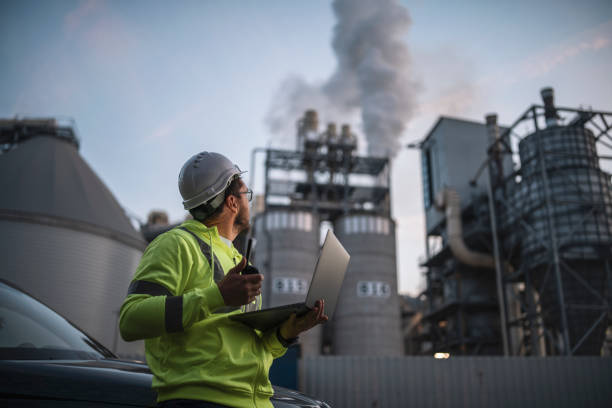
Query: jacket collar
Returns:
{"type": "Point", "coordinates": [208, 234]}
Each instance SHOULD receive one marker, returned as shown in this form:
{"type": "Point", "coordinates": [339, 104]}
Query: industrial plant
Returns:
{"type": "Point", "coordinates": [324, 184]}
{"type": "Point", "coordinates": [64, 238]}
{"type": "Point", "coordinates": [518, 234]}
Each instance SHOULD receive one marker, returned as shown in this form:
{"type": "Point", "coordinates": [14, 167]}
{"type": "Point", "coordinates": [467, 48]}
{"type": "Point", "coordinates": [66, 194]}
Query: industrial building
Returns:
{"type": "Point", "coordinates": [62, 229]}
{"type": "Point", "coordinates": [324, 184]}
{"type": "Point", "coordinates": [519, 233]}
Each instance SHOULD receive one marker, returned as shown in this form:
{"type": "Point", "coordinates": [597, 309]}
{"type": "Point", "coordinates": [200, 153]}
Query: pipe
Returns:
{"type": "Point", "coordinates": [492, 128]}
{"type": "Point", "coordinates": [496, 175]}
{"type": "Point", "coordinates": [550, 112]}
{"type": "Point", "coordinates": [449, 201]}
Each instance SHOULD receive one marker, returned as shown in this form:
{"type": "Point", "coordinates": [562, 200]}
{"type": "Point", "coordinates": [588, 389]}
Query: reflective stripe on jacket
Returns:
{"type": "Point", "coordinates": [193, 349]}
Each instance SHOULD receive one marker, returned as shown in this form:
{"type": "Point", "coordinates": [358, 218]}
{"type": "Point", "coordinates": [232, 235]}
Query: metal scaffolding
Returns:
{"type": "Point", "coordinates": [566, 250]}
{"type": "Point", "coordinates": [464, 323]}
{"type": "Point", "coordinates": [311, 181]}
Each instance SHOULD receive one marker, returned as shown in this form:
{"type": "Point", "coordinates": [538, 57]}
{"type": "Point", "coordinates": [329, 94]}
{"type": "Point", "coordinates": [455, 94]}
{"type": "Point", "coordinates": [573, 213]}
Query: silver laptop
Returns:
{"type": "Point", "coordinates": [325, 284]}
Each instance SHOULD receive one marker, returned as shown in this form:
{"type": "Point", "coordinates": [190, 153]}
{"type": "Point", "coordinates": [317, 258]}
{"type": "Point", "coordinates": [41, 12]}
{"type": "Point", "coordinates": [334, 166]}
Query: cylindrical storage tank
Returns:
{"type": "Point", "coordinates": [286, 253]}
{"type": "Point", "coordinates": [580, 197]}
{"type": "Point", "coordinates": [65, 239]}
{"type": "Point", "coordinates": [367, 316]}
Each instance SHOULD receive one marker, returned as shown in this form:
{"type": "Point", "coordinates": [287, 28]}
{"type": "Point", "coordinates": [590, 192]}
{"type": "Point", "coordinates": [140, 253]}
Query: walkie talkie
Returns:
{"type": "Point", "coordinates": [250, 269]}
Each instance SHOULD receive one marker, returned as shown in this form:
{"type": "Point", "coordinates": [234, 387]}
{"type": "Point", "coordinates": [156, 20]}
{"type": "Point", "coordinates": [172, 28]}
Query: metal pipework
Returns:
{"type": "Point", "coordinates": [550, 112]}
{"type": "Point", "coordinates": [448, 200]}
{"type": "Point", "coordinates": [496, 172]}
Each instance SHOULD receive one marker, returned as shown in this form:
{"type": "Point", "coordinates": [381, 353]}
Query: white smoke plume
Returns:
{"type": "Point", "coordinates": [372, 78]}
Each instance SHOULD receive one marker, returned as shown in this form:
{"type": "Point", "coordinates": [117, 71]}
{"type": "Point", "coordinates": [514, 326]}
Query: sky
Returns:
{"type": "Point", "coordinates": [150, 83]}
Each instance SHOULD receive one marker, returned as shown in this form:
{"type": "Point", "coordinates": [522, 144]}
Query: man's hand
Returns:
{"type": "Point", "coordinates": [293, 326]}
{"type": "Point", "coordinates": [237, 289]}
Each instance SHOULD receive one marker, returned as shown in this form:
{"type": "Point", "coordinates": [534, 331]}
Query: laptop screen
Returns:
{"type": "Point", "coordinates": [329, 274]}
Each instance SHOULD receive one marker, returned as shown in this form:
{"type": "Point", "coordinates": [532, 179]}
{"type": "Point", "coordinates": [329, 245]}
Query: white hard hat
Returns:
{"type": "Point", "coordinates": [204, 177]}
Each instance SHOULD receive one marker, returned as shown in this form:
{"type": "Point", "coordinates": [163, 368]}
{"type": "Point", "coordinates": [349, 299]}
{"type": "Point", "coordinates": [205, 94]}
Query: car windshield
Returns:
{"type": "Point", "coordinates": [30, 330]}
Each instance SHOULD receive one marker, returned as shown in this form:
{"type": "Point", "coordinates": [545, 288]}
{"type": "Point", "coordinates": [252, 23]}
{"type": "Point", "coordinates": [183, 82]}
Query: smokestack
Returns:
{"type": "Point", "coordinates": [308, 128]}
{"type": "Point", "coordinates": [550, 113]}
{"type": "Point", "coordinates": [492, 128]}
{"type": "Point", "coordinates": [347, 139]}
{"type": "Point", "coordinates": [496, 148]}
{"type": "Point", "coordinates": [331, 137]}
{"type": "Point", "coordinates": [348, 143]}
{"type": "Point", "coordinates": [346, 132]}
{"type": "Point", "coordinates": [311, 120]}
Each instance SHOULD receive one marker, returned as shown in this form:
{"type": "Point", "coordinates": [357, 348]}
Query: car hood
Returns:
{"type": "Point", "coordinates": [110, 381]}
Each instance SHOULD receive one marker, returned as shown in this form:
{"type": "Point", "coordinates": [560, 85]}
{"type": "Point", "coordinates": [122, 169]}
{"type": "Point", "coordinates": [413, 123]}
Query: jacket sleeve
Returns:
{"type": "Point", "coordinates": [271, 343]}
{"type": "Point", "coordinates": [156, 304]}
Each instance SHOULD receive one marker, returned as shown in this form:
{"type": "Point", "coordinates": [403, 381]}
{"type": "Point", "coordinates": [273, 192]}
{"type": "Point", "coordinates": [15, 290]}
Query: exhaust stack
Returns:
{"type": "Point", "coordinates": [550, 113]}
{"type": "Point", "coordinates": [308, 128]}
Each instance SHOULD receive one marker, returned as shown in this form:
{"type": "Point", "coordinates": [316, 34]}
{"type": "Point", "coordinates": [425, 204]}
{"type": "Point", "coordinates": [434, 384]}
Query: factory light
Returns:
{"type": "Point", "coordinates": [442, 355]}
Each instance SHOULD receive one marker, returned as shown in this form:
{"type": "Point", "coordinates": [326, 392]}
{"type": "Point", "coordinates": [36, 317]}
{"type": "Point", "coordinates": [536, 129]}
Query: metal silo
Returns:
{"type": "Point", "coordinates": [556, 227]}
{"type": "Point", "coordinates": [286, 253]}
{"type": "Point", "coordinates": [63, 236]}
{"type": "Point", "coordinates": [329, 184]}
{"type": "Point", "coordinates": [568, 200]}
{"type": "Point", "coordinates": [367, 316]}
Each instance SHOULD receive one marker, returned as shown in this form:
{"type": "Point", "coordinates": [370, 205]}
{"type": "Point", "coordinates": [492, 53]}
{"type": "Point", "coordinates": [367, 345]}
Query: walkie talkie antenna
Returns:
{"type": "Point", "coordinates": [248, 268]}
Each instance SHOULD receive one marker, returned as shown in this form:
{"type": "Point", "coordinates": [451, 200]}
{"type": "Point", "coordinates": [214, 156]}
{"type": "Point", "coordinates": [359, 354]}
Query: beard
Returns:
{"type": "Point", "coordinates": [242, 222]}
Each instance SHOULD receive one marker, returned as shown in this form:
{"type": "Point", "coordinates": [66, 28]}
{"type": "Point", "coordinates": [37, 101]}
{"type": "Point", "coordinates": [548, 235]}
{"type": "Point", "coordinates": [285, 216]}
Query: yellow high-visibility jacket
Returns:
{"type": "Point", "coordinates": [193, 349]}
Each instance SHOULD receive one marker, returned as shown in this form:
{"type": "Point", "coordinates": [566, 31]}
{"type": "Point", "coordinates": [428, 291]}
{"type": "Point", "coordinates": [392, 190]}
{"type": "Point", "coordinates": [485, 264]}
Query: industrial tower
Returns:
{"type": "Point", "coordinates": [324, 181]}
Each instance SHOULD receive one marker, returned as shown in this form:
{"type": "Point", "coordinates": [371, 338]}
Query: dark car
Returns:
{"type": "Point", "coordinates": [46, 361]}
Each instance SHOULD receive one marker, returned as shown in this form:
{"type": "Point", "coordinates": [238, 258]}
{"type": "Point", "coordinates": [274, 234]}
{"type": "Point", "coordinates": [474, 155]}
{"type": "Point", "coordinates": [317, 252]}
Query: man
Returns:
{"type": "Point", "coordinates": [187, 284]}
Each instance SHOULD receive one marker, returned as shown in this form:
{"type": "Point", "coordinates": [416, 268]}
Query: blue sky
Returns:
{"type": "Point", "coordinates": [149, 82]}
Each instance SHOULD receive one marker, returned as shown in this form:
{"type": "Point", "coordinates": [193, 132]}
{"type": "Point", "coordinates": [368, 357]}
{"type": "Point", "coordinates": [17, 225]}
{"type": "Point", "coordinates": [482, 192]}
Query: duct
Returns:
{"type": "Point", "coordinates": [449, 201]}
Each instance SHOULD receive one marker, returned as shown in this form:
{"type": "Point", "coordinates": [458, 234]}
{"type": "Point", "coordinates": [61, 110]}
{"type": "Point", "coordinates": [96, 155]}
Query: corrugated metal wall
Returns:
{"type": "Point", "coordinates": [468, 382]}
{"type": "Point", "coordinates": [82, 276]}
